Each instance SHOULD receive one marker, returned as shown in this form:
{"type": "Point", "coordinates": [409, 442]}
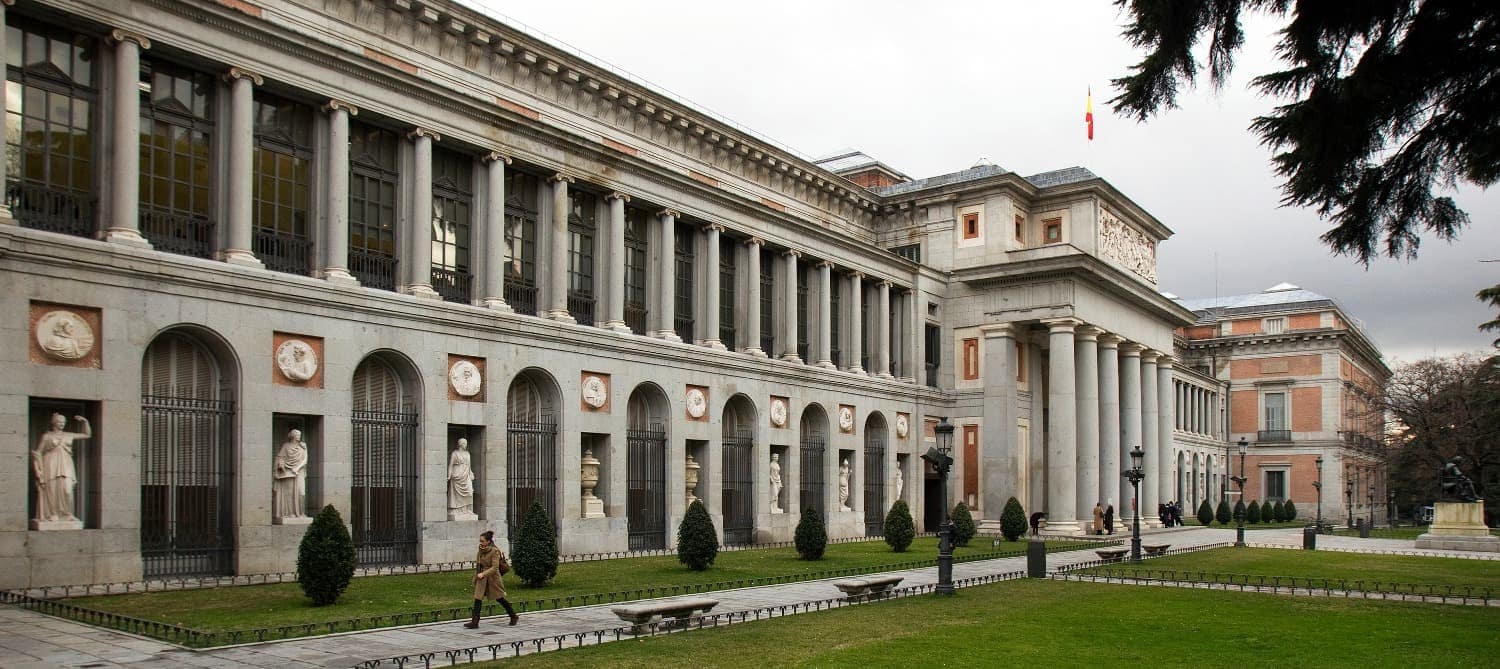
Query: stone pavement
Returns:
{"type": "Point", "coordinates": [33, 641]}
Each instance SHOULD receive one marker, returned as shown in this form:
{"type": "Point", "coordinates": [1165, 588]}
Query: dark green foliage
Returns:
{"type": "Point", "coordinates": [1206, 513]}
{"type": "Point", "coordinates": [1252, 514]}
{"type": "Point", "coordinates": [697, 542]}
{"type": "Point", "coordinates": [1013, 520]}
{"type": "Point", "coordinates": [963, 525]}
{"type": "Point", "coordinates": [1239, 510]}
{"type": "Point", "coordinates": [325, 560]}
{"type": "Point", "coordinates": [899, 528]}
{"type": "Point", "coordinates": [812, 537]}
{"type": "Point", "coordinates": [535, 547]}
{"type": "Point", "coordinates": [1289, 512]}
{"type": "Point", "coordinates": [1222, 514]}
{"type": "Point", "coordinates": [1278, 512]}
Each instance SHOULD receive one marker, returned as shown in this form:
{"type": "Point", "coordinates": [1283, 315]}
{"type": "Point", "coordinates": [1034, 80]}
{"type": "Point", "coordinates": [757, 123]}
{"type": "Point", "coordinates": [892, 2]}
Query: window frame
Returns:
{"type": "Point", "coordinates": [1048, 225]}
{"type": "Point", "coordinates": [970, 225]}
{"type": "Point", "coordinates": [970, 348]}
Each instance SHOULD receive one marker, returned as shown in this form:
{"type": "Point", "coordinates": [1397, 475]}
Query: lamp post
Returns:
{"type": "Point", "coordinates": [1318, 486]}
{"type": "Point", "coordinates": [1372, 505]}
{"type": "Point", "coordinates": [1349, 497]}
{"type": "Point", "coordinates": [1239, 528]}
{"type": "Point", "coordinates": [1135, 474]}
{"type": "Point", "coordinates": [941, 459]}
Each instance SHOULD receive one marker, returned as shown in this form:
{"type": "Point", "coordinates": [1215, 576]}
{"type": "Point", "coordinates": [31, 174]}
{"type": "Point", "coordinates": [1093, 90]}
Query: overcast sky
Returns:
{"type": "Point", "coordinates": [932, 87]}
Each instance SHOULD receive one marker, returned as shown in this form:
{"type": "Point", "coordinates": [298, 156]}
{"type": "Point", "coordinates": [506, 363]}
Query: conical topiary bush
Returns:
{"type": "Point", "coordinates": [899, 528]}
{"type": "Point", "coordinates": [1013, 520]}
{"type": "Point", "coordinates": [535, 560]}
{"type": "Point", "coordinates": [1206, 513]}
{"type": "Point", "coordinates": [963, 525]}
{"type": "Point", "coordinates": [812, 537]}
{"type": "Point", "coordinates": [697, 541]}
{"type": "Point", "coordinates": [326, 558]}
{"type": "Point", "coordinates": [1252, 513]}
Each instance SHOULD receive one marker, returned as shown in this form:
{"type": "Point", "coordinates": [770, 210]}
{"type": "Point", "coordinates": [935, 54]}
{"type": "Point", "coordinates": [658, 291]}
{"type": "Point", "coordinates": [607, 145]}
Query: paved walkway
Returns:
{"type": "Point", "coordinates": [30, 640]}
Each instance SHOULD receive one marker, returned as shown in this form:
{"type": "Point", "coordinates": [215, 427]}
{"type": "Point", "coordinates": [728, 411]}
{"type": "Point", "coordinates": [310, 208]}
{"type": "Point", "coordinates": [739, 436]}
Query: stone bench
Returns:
{"type": "Point", "coordinates": [1112, 555]}
{"type": "Point", "coordinates": [870, 586]}
{"type": "Point", "coordinates": [1157, 551]}
{"type": "Point", "coordinates": [681, 611]}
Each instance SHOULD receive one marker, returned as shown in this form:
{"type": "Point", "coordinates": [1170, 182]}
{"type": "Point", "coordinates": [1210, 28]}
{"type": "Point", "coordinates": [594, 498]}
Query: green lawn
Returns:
{"type": "Point", "coordinates": [1329, 564]}
{"type": "Point", "coordinates": [246, 607]}
{"type": "Point", "coordinates": [1394, 532]}
{"type": "Point", "coordinates": [1051, 623]}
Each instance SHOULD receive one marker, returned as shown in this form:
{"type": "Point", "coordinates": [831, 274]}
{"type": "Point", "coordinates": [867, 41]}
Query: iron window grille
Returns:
{"type": "Point", "coordinates": [452, 224]}
{"type": "Point", "coordinates": [521, 204]}
{"type": "Point", "coordinates": [383, 480]}
{"type": "Point", "coordinates": [813, 467]}
{"type": "Point", "coordinates": [177, 131]}
{"type": "Point", "coordinates": [874, 480]}
{"type": "Point", "coordinates": [283, 164]}
{"type": "Point", "coordinates": [373, 184]}
{"type": "Point", "coordinates": [646, 499]}
{"type": "Point", "coordinates": [50, 116]}
{"type": "Point", "coordinates": [739, 485]}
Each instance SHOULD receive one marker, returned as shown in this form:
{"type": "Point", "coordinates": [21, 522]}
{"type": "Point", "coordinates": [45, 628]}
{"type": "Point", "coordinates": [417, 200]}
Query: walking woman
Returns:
{"type": "Point", "coordinates": [487, 580]}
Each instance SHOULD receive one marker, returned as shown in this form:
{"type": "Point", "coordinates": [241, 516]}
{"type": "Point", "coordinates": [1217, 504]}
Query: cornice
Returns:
{"type": "Point", "coordinates": [1096, 272]}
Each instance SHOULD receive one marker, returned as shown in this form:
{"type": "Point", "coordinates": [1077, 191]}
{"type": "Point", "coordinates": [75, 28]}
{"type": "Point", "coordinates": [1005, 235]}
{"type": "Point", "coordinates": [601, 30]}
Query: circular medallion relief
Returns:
{"type": "Point", "coordinates": [64, 335]}
{"type": "Point", "coordinates": [846, 418]}
{"type": "Point", "coordinates": [297, 360]}
{"type": "Point", "coordinates": [465, 378]}
{"type": "Point", "coordinates": [594, 392]}
{"type": "Point", "coordinates": [778, 412]}
{"type": "Point", "coordinates": [902, 425]}
{"type": "Point", "coordinates": [697, 404]}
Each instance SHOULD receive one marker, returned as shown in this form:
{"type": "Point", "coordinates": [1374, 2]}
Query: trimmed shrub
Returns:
{"type": "Point", "coordinates": [1222, 515]}
{"type": "Point", "coordinates": [1278, 512]}
{"type": "Point", "coordinates": [812, 537]}
{"type": "Point", "coordinates": [697, 542]}
{"type": "Point", "coordinates": [1013, 520]}
{"type": "Point", "coordinates": [899, 528]}
{"type": "Point", "coordinates": [1289, 512]}
{"type": "Point", "coordinates": [1252, 514]}
{"type": "Point", "coordinates": [535, 548]}
{"type": "Point", "coordinates": [325, 559]}
{"type": "Point", "coordinates": [1205, 513]}
{"type": "Point", "coordinates": [963, 525]}
{"type": "Point", "coordinates": [1239, 510]}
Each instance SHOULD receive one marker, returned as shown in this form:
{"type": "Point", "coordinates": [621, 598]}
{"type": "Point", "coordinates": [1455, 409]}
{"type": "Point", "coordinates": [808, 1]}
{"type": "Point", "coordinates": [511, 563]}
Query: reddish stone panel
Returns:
{"type": "Point", "coordinates": [1307, 409]}
{"type": "Point", "coordinates": [1245, 326]}
{"type": "Point", "coordinates": [91, 316]}
{"type": "Point", "coordinates": [1244, 404]}
{"type": "Point", "coordinates": [1304, 321]}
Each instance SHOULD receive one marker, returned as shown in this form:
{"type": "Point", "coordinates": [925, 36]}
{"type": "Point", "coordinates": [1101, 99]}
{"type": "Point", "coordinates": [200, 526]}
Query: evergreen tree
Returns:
{"type": "Point", "coordinates": [326, 557]}
{"type": "Point", "coordinates": [535, 560]}
{"type": "Point", "coordinates": [812, 538]}
{"type": "Point", "coordinates": [697, 541]}
{"type": "Point", "coordinates": [963, 525]}
{"type": "Point", "coordinates": [1222, 514]}
{"type": "Point", "coordinates": [1239, 510]}
{"type": "Point", "coordinates": [1278, 512]}
{"type": "Point", "coordinates": [1206, 513]}
{"type": "Point", "coordinates": [1252, 514]}
{"type": "Point", "coordinates": [1013, 520]}
{"type": "Point", "coordinates": [1290, 511]}
{"type": "Point", "coordinates": [899, 528]}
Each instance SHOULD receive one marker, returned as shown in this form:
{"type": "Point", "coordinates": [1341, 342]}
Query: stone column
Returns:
{"type": "Point", "coordinates": [1130, 416]}
{"type": "Point", "coordinates": [336, 207]}
{"type": "Point", "coordinates": [824, 354]}
{"type": "Point", "coordinates": [856, 324]}
{"type": "Point", "coordinates": [557, 270]}
{"type": "Point", "coordinates": [1109, 422]}
{"type": "Point", "coordinates": [615, 309]}
{"type": "Point", "coordinates": [419, 250]}
{"type": "Point", "coordinates": [1086, 378]}
{"type": "Point", "coordinates": [883, 330]}
{"type": "Point", "coordinates": [1062, 429]}
{"type": "Point", "coordinates": [998, 471]}
{"type": "Point", "coordinates": [5, 216]}
{"type": "Point", "coordinates": [912, 334]}
{"type": "Point", "coordinates": [711, 289]}
{"type": "Point", "coordinates": [752, 299]}
{"type": "Point", "coordinates": [666, 229]}
{"type": "Point", "coordinates": [240, 179]}
{"type": "Point", "coordinates": [1150, 438]}
{"type": "Point", "coordinates": [493, 290]}
{"type": "Point", "coordinates": [124, 213]}
{"type": "Point", "coordinates": [1165, 418]}
{"type": "Point", "coordinates": [789, 295]}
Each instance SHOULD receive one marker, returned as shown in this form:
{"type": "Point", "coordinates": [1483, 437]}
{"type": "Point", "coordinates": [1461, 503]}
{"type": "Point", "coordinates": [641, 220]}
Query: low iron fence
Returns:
{"type": "Point", "coordinates": [1317, 586]}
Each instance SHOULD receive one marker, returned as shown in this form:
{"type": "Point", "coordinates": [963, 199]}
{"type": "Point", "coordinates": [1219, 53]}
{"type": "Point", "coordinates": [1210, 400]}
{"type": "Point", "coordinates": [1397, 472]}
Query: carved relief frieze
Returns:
{"type": "Point", "coordinates": [593, 392]}
{"type": "Point", "coordinates": [296, 360]}
{"type": "Point", "coordinates": [66, 335]}
{"type": "Point", "coordinates": [466, 378]}
{"type": "Point", "coordinates": [1126, 246]}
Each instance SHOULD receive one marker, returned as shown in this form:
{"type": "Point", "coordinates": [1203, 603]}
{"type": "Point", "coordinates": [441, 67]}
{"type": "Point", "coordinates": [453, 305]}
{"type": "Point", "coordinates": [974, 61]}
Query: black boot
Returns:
{"type": "Point", "coordinates": [474, 617]}
{"type": "Point", "coordinates": [513, 617]}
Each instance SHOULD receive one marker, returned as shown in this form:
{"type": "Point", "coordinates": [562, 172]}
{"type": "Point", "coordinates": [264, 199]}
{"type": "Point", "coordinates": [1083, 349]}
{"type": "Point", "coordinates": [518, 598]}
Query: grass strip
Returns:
{"type": "Point", "coordinates": [1370, 568]}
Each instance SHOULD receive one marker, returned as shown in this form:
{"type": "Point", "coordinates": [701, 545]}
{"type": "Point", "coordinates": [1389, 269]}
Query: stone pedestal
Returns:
{"type": "Point", "coordinates": [292, 520]}
{"type": "Point", "coordinates": [459, 514]}
{"type": "Point", "coordinates": [1459, 526]}
{"type": "Point", "coordinates": [52, 525]}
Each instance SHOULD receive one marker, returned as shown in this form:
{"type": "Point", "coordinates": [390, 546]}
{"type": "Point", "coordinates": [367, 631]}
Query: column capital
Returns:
{"type": "Point", "coordinates": [1061, 324]}
{"type": "Point", "coordinates": [496, 156]}
{"type": "Point", "coordinates": [715, 227]}
{"type": "Point", "coordinates": [1131, 349]}
{"type": "Point", "coordinates": [792, 253]}
{"type": "Point", "coordinates": [424, 132]}
{"type": "Point", "coordinates": [755, 241]}
{"type": "Point", "coordinates": [1087, 333]}
{"type": "Point", "coordinates": [1150, 355]}
{"type": "Point", "coordinates": [998, 330]}
{"type": "Point", "coordinates": [337, 105]}
{"type": "Point", "coordinates": [825, 263]}
{"type": "Point", "coordinates": [669, 213]}
{"type": "Point", "coordinates": [240, 73]}
{"type": "Point", "coordinates": [886, 283]}
{"type": "Point", "coordinates": [617, 195]}
{"type": "Point", "coordinates": [857, 275]}
{"type": "Point", "coordinates": [119, 35]}
{"type": "Point", "coordinates": [560, 178]}
{"type": "Point", "coordinates": [1165, 362]}
{"type": "Point", "coordinates": [1110, 340]}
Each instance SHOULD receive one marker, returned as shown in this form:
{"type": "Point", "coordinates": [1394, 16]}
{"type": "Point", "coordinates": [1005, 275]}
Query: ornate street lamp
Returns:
{"type": "Point", "coordinates": [941, 459]}
{"type": "Point", "coordinates": [1239, 528]}
{"type": "Point", "coordinates": [1135, 474]}
{"type": "Point", "coordinates": [1318, 486]}
{"type": "Point", "coordinates": [1349, 498]}
{"type": "Point", "coordinates": [1372, 506]}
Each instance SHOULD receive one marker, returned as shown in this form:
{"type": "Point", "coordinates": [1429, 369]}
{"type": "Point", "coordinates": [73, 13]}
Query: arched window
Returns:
{"type": "Point", "coordinates": [875, 475]}
{"type": "Point", "coordinates": [531, 448]}
{"type": "Point", "coordinates": [738, 443]}
{"type": "Point", "coordinates": [646, 446]}
{"type": "Point", "coordinates": [384, 480]}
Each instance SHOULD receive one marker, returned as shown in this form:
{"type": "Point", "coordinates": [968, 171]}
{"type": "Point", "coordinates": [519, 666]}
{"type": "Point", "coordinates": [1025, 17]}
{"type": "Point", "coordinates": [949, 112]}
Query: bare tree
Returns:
{"type": "Point", "coordinates": [1444, 407]}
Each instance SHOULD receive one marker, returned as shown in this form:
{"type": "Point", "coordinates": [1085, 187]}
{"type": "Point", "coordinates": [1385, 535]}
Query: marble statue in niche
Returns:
{"type": "Point", "coordinates": [844, 485]}
{"type": "Point", "coordinates": [461, 483]}
{"type": "Point", "coordinates": [465, 378]}
{"type": "Point", "coordinates": [64, 335]}
{"type": "Point", "coordinates": [899, 483]}
{"type": "Point", "coordinates": [297, 360]}
{"type": "Point", "coordinates": [775, 483]}
{"type": "Point", "coordinates": [289, 481]}
{"type": "Point", "coordinates": [56, 476]}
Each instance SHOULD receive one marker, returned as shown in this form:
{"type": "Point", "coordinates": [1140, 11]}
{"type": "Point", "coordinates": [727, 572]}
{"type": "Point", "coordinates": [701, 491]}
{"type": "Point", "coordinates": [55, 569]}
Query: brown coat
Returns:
{"type": "Point", "coordinates": [488, 563]}
{"type": "Point", "coordinates": [1098, 518]}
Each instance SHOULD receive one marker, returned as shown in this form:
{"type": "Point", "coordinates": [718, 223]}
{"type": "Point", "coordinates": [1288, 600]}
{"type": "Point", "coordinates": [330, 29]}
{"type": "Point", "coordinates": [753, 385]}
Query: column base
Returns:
{"type": "Point", "coordinates": [616, 326]}
{"type": "Point", "coordinates": [713, 344]}
{"type": "Point", "coordinates": [561, 316]}
{"type": "Point", "coordinates": [884, 375]}
{"type": "Point", "coordinates": [292, 520]}
{"type": "Point", "coordinates": [339, 276]}
{"type": "Point", "coordinates": [1067, 527]}
{"type": "Point", "coordinates": [422, 290]}
{"type": "Point", "coordinates": [826, 364]}
{"type": "Point", "coordinates": [855, 370]}
{"type": "Point", "coordinates": [668, 335]}
{"type": "Point", "coordinates": [241, 257]}
{"type": "Point", "coordinates": [792, 357]}
{"type": "Point", "coordinates": [495, 303]}
{"type": "Point", "coordinates": [6, 218]}
{"type": "Point", "coordinates": [755, 351]}
{"type": "Point", "coordinates": [906, 379]}
{"type": "Point", "coordinates": [126, 237]}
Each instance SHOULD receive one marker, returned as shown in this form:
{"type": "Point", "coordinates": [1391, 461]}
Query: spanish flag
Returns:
{"type": "Point", "coordinates": [1088, 114]}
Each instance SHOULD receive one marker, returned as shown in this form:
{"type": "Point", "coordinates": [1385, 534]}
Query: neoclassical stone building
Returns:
{"type": "Point", "coordinates": [391, 225]}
